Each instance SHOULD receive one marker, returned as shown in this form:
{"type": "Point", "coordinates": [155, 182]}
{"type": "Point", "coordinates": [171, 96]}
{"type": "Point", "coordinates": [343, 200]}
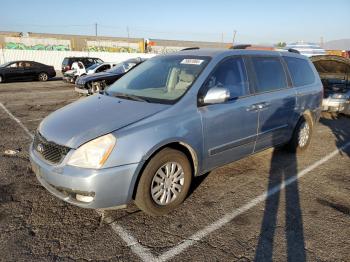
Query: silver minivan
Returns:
{"type": "Point", "coordinates": [172, 118]}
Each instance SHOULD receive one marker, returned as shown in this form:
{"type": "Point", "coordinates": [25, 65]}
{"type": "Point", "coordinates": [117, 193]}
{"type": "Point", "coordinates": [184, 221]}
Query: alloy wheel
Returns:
{"type": "Point", "coordinates": [167, 183]}
{"type": "Point", "coordinates": [304, 133]}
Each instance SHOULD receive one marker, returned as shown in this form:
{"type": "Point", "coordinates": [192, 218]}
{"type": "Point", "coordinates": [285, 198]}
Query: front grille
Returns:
{"type": "Point", "coordinates": [49, 151]}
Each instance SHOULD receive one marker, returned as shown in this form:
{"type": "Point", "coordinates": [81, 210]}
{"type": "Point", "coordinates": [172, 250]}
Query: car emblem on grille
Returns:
{"type": "Point", "coordinates": [40, 148]}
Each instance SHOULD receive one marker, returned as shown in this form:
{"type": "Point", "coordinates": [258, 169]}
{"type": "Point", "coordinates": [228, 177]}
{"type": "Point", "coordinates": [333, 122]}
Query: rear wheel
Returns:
{"type": "Point", "coordinates": [164, 183]}
{"type": "Point", "coordinates": [301, 136]}
{"type": "Point", "coordinates": [43, 77]}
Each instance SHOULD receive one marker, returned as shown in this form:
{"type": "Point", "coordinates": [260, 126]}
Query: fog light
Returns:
{"type": "Point", "coordinates": [85, 199]}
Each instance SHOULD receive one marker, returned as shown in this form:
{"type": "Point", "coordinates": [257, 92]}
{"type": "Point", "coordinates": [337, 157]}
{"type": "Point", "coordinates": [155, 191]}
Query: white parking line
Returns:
{"type": "Point", "coordinates": [131, 242]}
{"type": "Point", "coordinates": [146, 255]}
{"type": "Point", "coordinates": [17, 120]}
{"type": "Point", "coordinates": [228, 217]}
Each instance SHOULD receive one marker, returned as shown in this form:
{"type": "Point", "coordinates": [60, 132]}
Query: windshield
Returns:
{"type": "Point", "coordinates": [6, 64]}
{"type": "Point", "coordinates": [93, 66]}
{"type": "Point", "coordinates": [162, 79]}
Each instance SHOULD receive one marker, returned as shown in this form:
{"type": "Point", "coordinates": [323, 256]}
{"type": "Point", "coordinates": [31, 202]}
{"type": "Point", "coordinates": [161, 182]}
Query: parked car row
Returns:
{"type": "Point", "coordinates": [78, 70]}
{"type": "Point", "coordinates": [98, 81]}
{"type": "Point", "coordinates": [91, 75]}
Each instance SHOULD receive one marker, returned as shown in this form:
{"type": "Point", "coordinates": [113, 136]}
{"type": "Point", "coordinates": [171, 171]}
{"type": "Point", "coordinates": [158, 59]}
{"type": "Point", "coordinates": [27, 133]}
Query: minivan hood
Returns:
{"type": "Point", "coordinates": [97, 115]}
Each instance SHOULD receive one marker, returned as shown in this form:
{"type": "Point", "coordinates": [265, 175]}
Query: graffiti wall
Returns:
{"type": "Point", "coordinates": [113, 46]}
{"type": "Point", "coordinates": [31, 43]}
{"type": "Point", "coordinates": [163, 49]}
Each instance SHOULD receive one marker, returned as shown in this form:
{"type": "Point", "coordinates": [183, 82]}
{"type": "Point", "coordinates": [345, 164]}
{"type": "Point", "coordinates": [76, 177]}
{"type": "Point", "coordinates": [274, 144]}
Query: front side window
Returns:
{"type": "Point", "coordinates": [230, 74]}
{"type": "Point", "coordinates": [162, 79]}
{"type": "Point", "coordinates": [269, 73]}
{"type": "Point", "coordinates": [300, 71]}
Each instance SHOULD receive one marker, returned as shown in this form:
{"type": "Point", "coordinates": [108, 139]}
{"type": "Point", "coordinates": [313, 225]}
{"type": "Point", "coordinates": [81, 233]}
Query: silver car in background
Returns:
{"type": "Point", "coordinates": [335, 76]}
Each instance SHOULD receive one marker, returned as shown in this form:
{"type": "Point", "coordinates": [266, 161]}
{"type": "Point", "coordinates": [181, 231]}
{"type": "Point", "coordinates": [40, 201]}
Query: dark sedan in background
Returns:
{"type": "Point", "coordinates": [26, 70]}
{"type": "Point", "coordinates": [90, 84]}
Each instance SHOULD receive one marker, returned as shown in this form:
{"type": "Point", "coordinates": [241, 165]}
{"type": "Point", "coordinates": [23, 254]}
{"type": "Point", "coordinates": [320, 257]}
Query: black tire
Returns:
{"type": "Point", "coordinates": [43, 77]}
{"type": "Point", "coordinates": [88, 86]}
{"type": "Point", "coordinates": [295, 145]}
{"type": "Point", "coordinates": [143, 197]}
{"type": "Point", "coordinates": [2, 80]}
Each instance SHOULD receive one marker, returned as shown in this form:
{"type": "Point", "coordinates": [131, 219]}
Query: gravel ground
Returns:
{"type": "Point", "coordinates": [308, 220]}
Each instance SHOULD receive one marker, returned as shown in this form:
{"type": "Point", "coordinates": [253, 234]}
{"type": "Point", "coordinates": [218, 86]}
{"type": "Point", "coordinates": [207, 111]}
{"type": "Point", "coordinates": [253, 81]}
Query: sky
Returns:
{"type": "Point", "coordinates": [256, 22]}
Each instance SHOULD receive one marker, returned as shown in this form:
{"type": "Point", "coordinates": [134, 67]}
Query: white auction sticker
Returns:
{"type": "Point", "coordinates": [192, 61]}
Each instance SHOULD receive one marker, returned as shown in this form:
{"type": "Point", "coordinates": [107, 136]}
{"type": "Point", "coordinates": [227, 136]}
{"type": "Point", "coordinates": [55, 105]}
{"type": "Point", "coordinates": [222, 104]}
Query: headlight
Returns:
{"type": "Point", "coordinates": [340, 96]}
{"type": "Point", "coordinates": [93, 154]}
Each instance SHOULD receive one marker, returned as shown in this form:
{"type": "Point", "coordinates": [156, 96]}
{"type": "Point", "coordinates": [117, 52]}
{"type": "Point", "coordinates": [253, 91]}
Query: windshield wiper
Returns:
{"type": "Point", "coordinates": [130, 97]}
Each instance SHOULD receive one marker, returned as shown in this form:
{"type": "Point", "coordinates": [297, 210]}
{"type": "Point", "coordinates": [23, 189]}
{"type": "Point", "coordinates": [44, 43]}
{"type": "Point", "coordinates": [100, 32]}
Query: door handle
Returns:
{"type": "Point", "coordinates": [252, 108]}
{"type": "Point", "coordinates": [258, 106]}
{"type": "Point", "coordinates": [264, 105]}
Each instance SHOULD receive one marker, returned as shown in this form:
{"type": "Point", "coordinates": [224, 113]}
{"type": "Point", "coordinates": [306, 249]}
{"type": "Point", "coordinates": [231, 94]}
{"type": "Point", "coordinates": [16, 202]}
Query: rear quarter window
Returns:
{"type": "Point", "coordinates": [300, 71]}
{"type": "Point", "coordinates": [269, 73]}
{"type": "Point", "coordinates": [65, 62]}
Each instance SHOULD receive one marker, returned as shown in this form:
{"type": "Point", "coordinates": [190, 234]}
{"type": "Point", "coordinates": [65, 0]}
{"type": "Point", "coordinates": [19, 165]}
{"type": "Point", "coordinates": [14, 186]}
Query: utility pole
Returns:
{"type": "Point", "coordinates": [222, 39]}
{"type": "Point", "coordinates": [234, 36]}
{"type": "Point", "coordinates": [96, 29]}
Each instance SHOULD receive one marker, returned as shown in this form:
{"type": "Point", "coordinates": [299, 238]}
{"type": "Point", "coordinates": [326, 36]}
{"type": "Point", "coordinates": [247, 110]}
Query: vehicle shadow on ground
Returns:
{"type": "Point", "coordinates": [340, 128]}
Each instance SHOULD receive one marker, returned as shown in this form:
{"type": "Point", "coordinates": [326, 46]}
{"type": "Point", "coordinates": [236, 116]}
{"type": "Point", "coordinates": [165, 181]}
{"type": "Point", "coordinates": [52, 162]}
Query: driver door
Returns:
{"type": "Point", "coordinates": [229, 128]}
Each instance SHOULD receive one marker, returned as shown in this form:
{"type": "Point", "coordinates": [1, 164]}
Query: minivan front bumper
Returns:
{"type": "Point", "coordinates": [106, 188]}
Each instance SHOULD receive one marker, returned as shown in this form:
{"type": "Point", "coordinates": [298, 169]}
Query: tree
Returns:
{"type": "Point", "coordinates": [281, 44]}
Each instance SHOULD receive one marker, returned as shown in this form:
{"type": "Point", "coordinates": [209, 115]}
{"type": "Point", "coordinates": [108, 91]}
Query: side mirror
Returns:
{"type": "Point", "coordinates": [216, 95]}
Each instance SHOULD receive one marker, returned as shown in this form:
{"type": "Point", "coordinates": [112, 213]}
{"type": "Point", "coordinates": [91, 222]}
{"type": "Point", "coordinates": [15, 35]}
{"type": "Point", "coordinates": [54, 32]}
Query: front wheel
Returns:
{"type": "Point", "coordinates": [301, 136]}
{"type": "Point", "coordinates": [164, 183]}
{"type": "Point", "coordinates": [43, 77]}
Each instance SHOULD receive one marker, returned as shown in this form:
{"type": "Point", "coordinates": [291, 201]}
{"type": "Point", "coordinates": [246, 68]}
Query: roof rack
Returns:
{"type": "Point", "coordinates": [190, 48]}
{"type": "Point", "coordinates": [292, 50]}
{"type": "Point", "coordinates": [240, 46]}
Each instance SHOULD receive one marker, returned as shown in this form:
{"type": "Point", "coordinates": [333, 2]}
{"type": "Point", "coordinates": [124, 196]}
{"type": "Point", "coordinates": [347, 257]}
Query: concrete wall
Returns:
{"type": "Point", "coordinates": [55, 58]}
{"type": "Point", "coordinates": [104, 43]}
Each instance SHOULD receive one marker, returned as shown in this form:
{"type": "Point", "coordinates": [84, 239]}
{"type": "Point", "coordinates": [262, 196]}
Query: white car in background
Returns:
{"type": "Point", "coordinates": [78, 69]}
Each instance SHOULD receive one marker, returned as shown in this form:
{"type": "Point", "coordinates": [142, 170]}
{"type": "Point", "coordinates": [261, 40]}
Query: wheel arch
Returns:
{"type": "Point", "coordinates": [178, 145]}
{"type": "Point", "coordinates": [309, 114]}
